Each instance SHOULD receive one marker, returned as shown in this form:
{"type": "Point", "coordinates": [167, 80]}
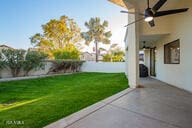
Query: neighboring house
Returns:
{"type": "Point", "coordinates": [5, 47]}
{"type": "Point", "coordinates": [86, 56]}
{"type": "Point", "coordinates": [100, 57]}
{"type": "Point", "coordinates": [170, 41]}
{"type": "Point", "coordinates": [33, 49]}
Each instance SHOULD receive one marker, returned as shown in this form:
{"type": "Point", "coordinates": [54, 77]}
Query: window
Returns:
{"type": "Point", "coordinates": [172, 52]}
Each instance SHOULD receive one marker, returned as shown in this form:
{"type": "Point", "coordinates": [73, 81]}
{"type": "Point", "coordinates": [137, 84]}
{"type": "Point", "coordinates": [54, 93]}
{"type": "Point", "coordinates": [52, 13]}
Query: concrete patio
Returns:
{"type": "Point", "coordinates": [157, 105]}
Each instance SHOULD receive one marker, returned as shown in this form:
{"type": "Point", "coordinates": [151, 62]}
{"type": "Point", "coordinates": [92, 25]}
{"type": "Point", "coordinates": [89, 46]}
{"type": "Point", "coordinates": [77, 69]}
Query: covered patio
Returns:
{"type": "Point", "coordinates": [157, 105]}
{"type": "Point", "coordinates": [165, 40]}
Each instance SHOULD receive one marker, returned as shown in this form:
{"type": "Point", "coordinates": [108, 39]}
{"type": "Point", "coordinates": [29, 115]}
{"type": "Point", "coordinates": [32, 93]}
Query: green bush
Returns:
{"type": "Point", "coordinates": [113, 58]}
{"type": "Point", "coordinates": [13, 59]}
{"type": "Point", "coordinates": [118, 58]}
{"type": "Point", "coordinates": [107, 58]}
{"type": "Point", "coordinates": [66, 66]}
{"type": "Point", "coordinates": [1, 61]}
{"type": "Point", "coordinates": [33, 60]}
{"type": "Point", "coordinates": [68, 52]}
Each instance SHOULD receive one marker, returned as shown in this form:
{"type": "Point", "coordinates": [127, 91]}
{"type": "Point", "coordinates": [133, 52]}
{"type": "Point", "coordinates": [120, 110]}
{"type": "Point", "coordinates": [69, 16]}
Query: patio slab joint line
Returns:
{"type": "Point", "coordinates": [149, 117]}
{"type": "Point", "coordinates": [100, 107]}
{"type": "Point", "coordinates": [101, 104]}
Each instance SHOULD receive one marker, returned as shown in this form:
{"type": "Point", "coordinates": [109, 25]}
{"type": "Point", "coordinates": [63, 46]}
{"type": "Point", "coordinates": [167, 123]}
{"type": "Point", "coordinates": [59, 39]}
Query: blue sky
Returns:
{"type": "Point", "coordinates": [21, 19]}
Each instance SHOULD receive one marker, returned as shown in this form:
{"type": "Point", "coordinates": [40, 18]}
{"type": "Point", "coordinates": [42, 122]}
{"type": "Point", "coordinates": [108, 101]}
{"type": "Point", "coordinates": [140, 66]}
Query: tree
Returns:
{"type": "Point", "coordinates": [96, 33]}
{"type": "Point", "coordinates": [69, 52]}
{"type": "Point", "coordinates": [1, 61]}
{"type": "Point", "coordinates": [33, 60]}
{"type": "Point", "coordinates": [56, 35]}
{"type": "Point", "coordinates": [110, 50]}
{"type": "Point", "coordinates": [118, 51]}
{"type": "Point", "coordinates": [107, 58]}
{"type": "Point", "coordinates": [13, 60]}
{"type": "Point", "coordinates": [113, 54]}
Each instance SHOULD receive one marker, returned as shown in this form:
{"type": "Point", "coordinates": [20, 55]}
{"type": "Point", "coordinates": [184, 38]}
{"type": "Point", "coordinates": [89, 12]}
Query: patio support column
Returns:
{"type": "Point", "coordinates": [133, 51]}
{"type": "Point", "coordinates": [147, 59]}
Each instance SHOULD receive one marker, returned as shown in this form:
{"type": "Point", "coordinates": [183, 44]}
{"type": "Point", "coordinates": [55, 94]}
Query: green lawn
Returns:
{"type": "Point", "coordinates": [39, 102]}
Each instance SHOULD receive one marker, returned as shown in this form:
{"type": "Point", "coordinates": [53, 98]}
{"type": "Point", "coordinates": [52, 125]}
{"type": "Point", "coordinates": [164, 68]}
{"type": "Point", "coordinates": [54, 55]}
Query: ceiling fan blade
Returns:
{"type": "Point", "coordinates": [158, 5]}
{"type": "Point", "coordinates": [170, 12]}
{"type": "Point", "coordinates": [152, 23]}
{"type": "Point", "coordinates": [132, 12]}
{"type": "Point", "coordinates": [134, 22]}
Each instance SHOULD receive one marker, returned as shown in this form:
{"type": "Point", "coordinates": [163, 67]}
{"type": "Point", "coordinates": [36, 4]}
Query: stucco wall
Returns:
{"type": "Point", "coordinates": [106, 67]}
{"type": "Point", "coordinates": [5, 73]}
{"type": "Point", "coordinates": [179, 75]}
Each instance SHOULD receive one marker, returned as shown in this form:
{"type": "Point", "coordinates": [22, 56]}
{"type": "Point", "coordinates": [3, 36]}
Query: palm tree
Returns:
{"type": "Point", "coordinates": [96, 33]}
{"type": "Point", "coordinates": [113, 54]}
{"type": "Point", "coordinates": [110, 50]}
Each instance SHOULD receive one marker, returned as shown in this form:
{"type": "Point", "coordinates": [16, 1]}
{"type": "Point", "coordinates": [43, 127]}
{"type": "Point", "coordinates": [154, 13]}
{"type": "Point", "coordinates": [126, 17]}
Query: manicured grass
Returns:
{"type": "Point", "coordinates": [39, 102]}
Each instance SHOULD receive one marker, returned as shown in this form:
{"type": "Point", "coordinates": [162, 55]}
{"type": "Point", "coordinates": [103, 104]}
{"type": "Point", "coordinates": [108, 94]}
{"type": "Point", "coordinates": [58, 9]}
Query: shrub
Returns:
{"type": "Point", "coordinates": [33, 60]}
{"type": "Point", "coordinates": [63, 66]}
{"type": "Point", "coordinates": [107, 58]}
{"type": "Point", "coordinates": [113, 58]}
{"type": "Point", "coordinates": [13, 59]}
{"type": "Point", "coordinates": [118, 58]}
{"type": "Point", "coordinates": [68, 52]}
{"type": "Point", "coordinates": [1, 61]}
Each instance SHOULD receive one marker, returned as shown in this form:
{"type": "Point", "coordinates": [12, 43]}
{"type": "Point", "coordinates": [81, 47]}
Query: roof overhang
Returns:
{"type": "Point", "coordinates": [128, 4]}
{"type": "Point", "coordinates": [119, 3]}
{"type": "Point", "coordinates": [141, 4]}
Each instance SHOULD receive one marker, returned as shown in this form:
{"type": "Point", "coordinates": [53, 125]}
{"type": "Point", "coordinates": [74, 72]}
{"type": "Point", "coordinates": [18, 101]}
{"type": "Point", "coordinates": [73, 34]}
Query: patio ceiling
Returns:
{"type": "Point", "coordinates": [141, 4]}
{"type": "Point", "coordinates": [150, 39]}
{"type": "Point", "coordinates": [163, 25]}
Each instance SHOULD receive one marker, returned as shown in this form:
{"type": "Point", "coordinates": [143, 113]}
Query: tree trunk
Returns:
{"type": "Point", "coordinates": [96, 49]}
{"type": "Point", "coordinates": [26, 73]}
{"type": "Point", "coordinates": [13, 72]}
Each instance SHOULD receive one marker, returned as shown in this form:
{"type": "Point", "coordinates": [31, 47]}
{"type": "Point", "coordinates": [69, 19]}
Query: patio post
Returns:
{"type": "Point", "coordinates": [133, 51]}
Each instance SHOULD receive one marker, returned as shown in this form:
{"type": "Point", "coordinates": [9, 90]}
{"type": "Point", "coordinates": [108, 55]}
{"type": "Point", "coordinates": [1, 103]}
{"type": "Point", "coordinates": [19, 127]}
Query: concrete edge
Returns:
{"type": "Point", "coordinates": [71, 119]}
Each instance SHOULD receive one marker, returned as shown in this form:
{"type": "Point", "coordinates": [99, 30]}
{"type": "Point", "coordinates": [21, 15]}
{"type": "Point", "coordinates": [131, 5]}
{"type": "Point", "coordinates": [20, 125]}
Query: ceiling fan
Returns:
{"type": "Point", "coordinates": [144, 46]}
{"type": "Point", "coordinates": [151, 13]}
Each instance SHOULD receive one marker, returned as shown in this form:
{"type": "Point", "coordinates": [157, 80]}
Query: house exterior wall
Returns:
{"type": "Point", "coordinates": [174, 27]}
{"type": "Point", "coordinates": [179, 27]}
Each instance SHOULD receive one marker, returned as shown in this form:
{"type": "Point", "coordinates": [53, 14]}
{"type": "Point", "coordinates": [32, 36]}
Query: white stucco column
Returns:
{"type": "Point", "coordinates": [147, 59]}
{"type": "Point", "coordinates": [133, 51]}
{"type": "Point", "coordinates": [126, 63]}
